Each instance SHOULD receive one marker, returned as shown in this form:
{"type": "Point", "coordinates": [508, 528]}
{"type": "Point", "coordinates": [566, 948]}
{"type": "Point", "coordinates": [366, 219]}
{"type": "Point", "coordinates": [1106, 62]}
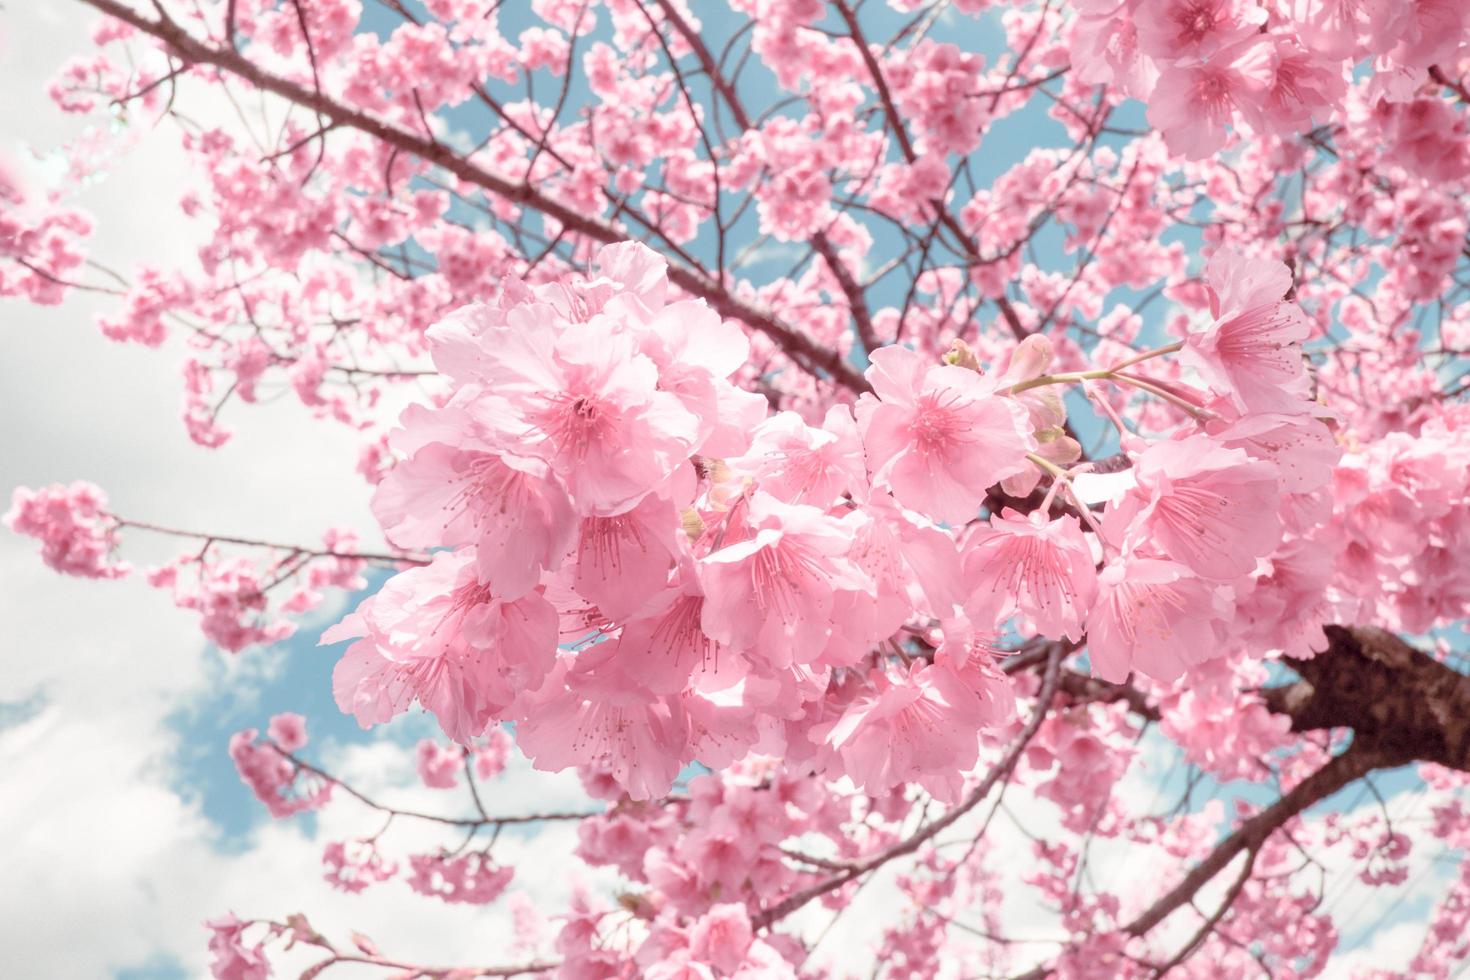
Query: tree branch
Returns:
{"type": "Point", "coordinates": [1341, 770]}
{"type": "Point", "coordinates": [1385, 690]}
{"type": "Point", "coordinates": [802, 349]}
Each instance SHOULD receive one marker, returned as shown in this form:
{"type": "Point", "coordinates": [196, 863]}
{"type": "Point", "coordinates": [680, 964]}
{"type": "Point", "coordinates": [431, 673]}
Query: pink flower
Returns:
{"type": "Point", "coordinates": [972, 656]}
{"type": "Point", "coordinates": [1211, 508]}
{"type": "Point", "coordinates": [1252, 350]}
{"type": "Point", "coordinates": [623, 561]}
{"type": "Point", "coordinates": [471, 879]}
{"type": "Point", "coordinates": [721, 937]}
{"type": "Point", "coordinates": [1041, 569]}
{"type": "Point", "coordinates": [491, 757]}
{"type": "Point", "coordinates": [352, 866]}
{"type": "Point", "coordinates": [603, 722]}
{"type": "Point", "coordinates": [1177, 30]}
{"type": "Point", "coordinates": [661, 648]}
{"type": "Point", "coordinates": [1105, 48]}
{"type": "Point", "coordinates": [437, 636]}
{"type": "Point", "coordinates": [938, 435]}
{"type": "Point", "coordinates": [585, 401]}
{"type": "Point", "coordinates": [1333, 27]}
{"type": "Point", "coordinates": [287, 730]}
{"type": "Point", "coordinates": [771, 594]}
{"type": "Point", "coordinates": [1223, 727]}
{"type": "Point", "coordinates": [77, 534]}
{"type": "Point", "coordinates": [1304, 87]}
{"type": "Point", "coordinates": [1194, 102]}
{"type": "Point", "coordinates": [1153, 616]}
{"type": "Point", "coordinates": [920, 727]}
{"type": "Point", "coordinates": [438, 765]}
{"type": "Point", "coordinates": [696, 351]}
{"type": "Point", "coordinates": [1300, 446]}
{"type": "Point", "coordinates": [912, 565]}
{"type": "Point", "coordinates": [284, 787]}
{"type": "Point", "coordinates": [802, 464]}
{"type": "Point", "coordinates": [510, 507]}
{"type": "Point", "coordinates": [233, 960]}
{"type": "Point", "coordinates": [632, 269]}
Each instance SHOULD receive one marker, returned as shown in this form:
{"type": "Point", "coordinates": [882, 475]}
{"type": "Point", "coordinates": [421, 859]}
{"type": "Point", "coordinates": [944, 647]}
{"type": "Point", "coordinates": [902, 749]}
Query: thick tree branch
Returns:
{"type": "Point", "coordinates": [1386, 691]}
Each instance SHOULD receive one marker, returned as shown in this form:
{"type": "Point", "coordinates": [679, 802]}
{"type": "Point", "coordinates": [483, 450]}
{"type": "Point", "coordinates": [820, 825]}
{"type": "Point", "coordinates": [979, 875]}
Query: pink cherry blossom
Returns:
{"type": "Point", "coordinates": [511, 508]}
{"type": "Point", "coordinates": [1210, 508]}
{"type": "Point", "coordinates": [920, 727]}
{"type": "Point", "coordinates": [804, 464]}
{"type": "Point", "coordinates": [938, 435]}
{"type": "Point", "coordinates": [1193, 30]}
{"type": "Point", "coordinates": [435, 635]}
{"type": "Point", "coordinates": [623, 561]}
{"type": "Point", "coordinates": [233, 959]}
{"type": "Point", "coordinates": [1041, 569]}
{"type": "Point", "coordinates": [471, 879]}
{"type": "Point", "coordinates": [278, 782]}
{"type": "Point", "coordinates": [288, 731]}
{"type": "Point", "coordinates": [354, 866]}
{"type": "Point", "coordinates": [439, 765]}
{"type": "Point", "coordinates": [580, 720]}
{"type": "Point", "coordinates": [1194, 102]}
{"type": "Point", "coordinates": [1153, 616]}
{"type": "Point", "coordinates": [78, 535]}
{"type": "Point", "coordinates": [584, 400]}
{"type": "Point", "coordinates": [1252, 349]}
{"type": "Point", "coordinates": [772, 593]}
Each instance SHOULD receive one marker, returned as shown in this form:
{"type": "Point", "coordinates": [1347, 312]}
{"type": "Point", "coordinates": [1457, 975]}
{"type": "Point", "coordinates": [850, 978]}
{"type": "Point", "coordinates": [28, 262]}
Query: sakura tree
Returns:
{"type": "Point", "coordinates": [861, 439]}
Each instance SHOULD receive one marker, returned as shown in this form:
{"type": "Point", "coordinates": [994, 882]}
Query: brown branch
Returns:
{"type": "Point", "coordinates": [1091, 690]}
{"type": "Point", "coordinates": [802, 349]}
{"type": "Point", "coordinates": [1458, 87]}
{"type": "Point", "coordinates": [890, 110]}
{"type": "Point", "coordinates": [481, 821]}
{"type": "Point", "coordinates": [1213, 920]}
{"type": "Point", "coordinates": [857, 300]}
{"type": "Point", "coordinates": [1339, 771]}
{"type": "Point", "coordinates": [1386, 691]}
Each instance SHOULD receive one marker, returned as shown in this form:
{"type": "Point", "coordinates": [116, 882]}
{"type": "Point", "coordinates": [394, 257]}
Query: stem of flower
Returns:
{"type": "Point", "coordinates": [1149, 355]}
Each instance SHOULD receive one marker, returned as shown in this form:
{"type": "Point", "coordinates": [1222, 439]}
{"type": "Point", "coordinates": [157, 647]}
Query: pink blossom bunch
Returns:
{"type": "Point", "coordinates": [280, 783]}
{"type": "Point", "coordinates": [639, 574]}
{"type": "Point", "coordinates": [353, 866]}
{"type": "Point", "coordinates": [438, 765]}
{"type": "Point", "coordinates": [1205, 65]}
{"type": "Point", "coordinates": [233, 959]}
{"type": "Point", "coordinates": [471, 879]}
{"type": "Point", "coordinates": [78, 536]}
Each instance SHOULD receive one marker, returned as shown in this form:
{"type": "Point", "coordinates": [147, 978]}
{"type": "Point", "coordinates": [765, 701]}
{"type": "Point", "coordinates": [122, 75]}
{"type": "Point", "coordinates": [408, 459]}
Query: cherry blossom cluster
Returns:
{"type": "Point", "coordinates": [78, 536]}
{"type": "Point", "coordinates": [1204, 65]}
{"type": "Point", "coordinates": [468, 878]}
{"type": "Point", "coordinates": [648, 571]}
{"type": "Point", "coordinates": [355, 865]}
{"type": "Point", "coordinates": [272, 775]}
